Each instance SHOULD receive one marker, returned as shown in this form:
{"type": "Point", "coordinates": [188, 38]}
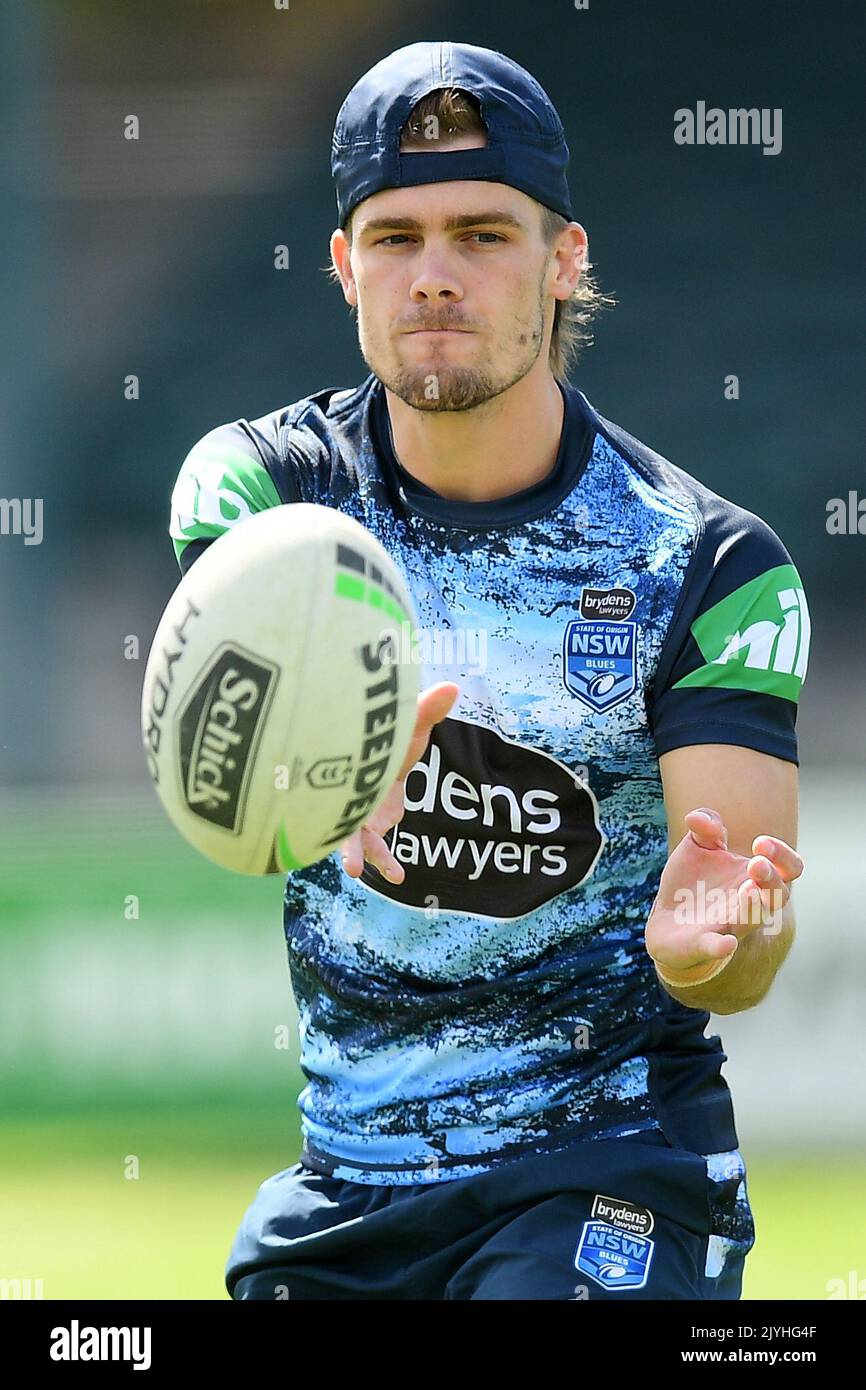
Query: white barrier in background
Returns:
{"type": "Point", "coordinates": [797, 1062]}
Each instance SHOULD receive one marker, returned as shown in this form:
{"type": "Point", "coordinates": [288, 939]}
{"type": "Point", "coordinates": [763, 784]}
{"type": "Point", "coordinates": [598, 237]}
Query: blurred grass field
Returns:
{"type": "Point", "coordinates": [70, 1216]}
{"type": "Point", "coordinates": [152, 1036]}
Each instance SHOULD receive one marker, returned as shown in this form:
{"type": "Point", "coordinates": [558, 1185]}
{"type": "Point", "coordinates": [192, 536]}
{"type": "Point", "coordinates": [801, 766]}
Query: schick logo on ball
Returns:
{"type": "Point", "coordinates": [599, 662]}
{"type": "Point", "coordinates": [219, 728]}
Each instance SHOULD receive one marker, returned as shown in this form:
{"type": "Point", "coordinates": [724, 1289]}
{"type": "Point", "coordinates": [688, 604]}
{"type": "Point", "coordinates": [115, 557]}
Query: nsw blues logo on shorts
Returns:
{"type": "Point", "coordinates": [614, 1258]}
{"type": "Point", "coordinates": [599, 662]}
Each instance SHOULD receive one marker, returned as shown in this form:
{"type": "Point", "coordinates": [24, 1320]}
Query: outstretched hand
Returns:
{"type": "Point", "coordinates": [709, 899]}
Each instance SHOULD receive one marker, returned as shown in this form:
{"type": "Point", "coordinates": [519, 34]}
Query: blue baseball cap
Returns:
{"type": "Point", "coordinates": [525, 138]}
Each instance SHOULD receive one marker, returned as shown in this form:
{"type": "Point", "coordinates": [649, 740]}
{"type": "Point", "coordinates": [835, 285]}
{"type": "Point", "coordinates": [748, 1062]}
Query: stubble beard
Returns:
{"type": "Point", "coordinates": [439, 385]}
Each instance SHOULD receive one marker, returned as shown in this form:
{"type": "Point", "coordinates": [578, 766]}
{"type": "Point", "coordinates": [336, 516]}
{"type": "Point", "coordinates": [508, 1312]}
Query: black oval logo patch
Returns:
{"type": "Point", "coordinates": [491, 827]}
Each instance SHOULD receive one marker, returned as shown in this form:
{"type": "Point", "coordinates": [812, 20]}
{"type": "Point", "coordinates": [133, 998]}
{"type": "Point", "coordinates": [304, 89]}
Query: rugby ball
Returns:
{"type": "Point", "coordinates": [280, 692]}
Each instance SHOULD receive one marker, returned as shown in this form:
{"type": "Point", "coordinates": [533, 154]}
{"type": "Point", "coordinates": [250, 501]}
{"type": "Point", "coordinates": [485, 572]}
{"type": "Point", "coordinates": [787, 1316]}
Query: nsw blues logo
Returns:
{"type": "Point", "coordinates": [599, 650]}
{"type": "Point", "coordinates": [614, 1258]}
{"type": "Point", "coordinates": [599, 662]}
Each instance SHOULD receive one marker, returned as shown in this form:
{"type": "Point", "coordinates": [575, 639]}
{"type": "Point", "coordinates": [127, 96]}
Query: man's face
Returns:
{"type": "Point", "coordinates": [450, 285]}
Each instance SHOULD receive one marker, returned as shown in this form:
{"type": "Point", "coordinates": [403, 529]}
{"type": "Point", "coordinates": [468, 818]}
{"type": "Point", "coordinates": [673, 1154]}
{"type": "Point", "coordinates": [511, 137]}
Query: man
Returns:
{"type": "Point", "coordinates": [503, 1003]}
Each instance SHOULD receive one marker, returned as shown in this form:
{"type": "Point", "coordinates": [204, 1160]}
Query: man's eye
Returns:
{"type": "Point", "coordinates": [395, 237]}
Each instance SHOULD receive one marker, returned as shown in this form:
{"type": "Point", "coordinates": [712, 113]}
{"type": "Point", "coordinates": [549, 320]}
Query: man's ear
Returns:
{"type": "Point", "coordinates": [341, 256]}
{"type": "Point", "coordinates": [569, 260]}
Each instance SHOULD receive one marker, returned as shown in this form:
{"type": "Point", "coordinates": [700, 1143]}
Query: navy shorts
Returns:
{"type": "Point", "coordinates": [609, 1219]}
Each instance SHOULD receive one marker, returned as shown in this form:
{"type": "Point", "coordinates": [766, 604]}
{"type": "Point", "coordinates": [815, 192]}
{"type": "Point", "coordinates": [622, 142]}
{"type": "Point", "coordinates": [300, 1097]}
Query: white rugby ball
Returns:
{"type": "Point", "coordinates": [280, 693]}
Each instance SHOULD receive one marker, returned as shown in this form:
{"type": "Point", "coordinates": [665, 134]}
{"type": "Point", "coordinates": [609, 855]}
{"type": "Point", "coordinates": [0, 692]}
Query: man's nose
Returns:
{"type": "Point", "coordinates": [436, 278]}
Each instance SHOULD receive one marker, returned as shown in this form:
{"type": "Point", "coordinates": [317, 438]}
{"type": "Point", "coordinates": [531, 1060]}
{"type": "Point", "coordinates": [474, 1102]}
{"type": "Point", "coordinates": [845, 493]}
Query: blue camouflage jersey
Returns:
{"type": "Point", "coordinates": [501, 1002]}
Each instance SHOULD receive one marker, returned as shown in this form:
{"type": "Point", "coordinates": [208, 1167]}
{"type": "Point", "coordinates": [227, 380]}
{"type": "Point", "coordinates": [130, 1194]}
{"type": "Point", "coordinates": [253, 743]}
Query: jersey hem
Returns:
{"type": "Point", "coordinates": [318, 1160]}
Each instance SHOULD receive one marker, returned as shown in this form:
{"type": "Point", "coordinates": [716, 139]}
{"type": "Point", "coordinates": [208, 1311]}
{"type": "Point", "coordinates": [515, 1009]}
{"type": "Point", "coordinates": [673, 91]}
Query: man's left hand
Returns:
{"type": "Point", "coordinates": [709, 898]}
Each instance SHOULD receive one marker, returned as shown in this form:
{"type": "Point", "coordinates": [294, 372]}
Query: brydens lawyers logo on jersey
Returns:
{"type": "Point", "coordinates": [491, 827]}
{"type": "Point", "coordinates": [599, 650]}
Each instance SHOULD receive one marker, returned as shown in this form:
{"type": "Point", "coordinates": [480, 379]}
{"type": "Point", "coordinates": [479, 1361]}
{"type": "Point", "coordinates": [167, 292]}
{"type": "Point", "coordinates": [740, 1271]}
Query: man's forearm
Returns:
{"type": "Point", "coordinates": [745, 982]}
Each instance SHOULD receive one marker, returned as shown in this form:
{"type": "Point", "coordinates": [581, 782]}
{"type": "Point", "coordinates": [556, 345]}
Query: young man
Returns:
{"type": "Point", "coordinates": [503, 1004]}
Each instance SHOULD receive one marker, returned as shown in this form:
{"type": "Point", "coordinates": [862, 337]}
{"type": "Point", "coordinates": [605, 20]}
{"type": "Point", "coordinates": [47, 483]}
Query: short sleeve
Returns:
{"type": "Point", "coordinates": [734, 660]}
{"type": "Point", "coordinates": [221, 482]}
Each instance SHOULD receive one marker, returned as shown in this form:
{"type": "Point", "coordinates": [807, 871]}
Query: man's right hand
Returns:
{"type": "Point", "coordinates": [367, 844]}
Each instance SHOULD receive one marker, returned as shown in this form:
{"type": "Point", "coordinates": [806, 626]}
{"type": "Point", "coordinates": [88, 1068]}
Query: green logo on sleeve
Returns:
{"type": "Point", "coordinates": [217, 487]}
{"type": "Point", "coordinates": [757, 638]}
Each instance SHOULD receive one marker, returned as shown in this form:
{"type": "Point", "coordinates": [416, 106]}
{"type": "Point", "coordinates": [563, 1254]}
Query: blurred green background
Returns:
{"type": "Point", "coordinates": [147, 1085]}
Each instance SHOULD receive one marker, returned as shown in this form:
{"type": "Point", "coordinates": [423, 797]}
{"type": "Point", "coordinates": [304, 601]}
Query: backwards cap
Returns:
{"type": "Point", "coordinates": [525, 139]}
